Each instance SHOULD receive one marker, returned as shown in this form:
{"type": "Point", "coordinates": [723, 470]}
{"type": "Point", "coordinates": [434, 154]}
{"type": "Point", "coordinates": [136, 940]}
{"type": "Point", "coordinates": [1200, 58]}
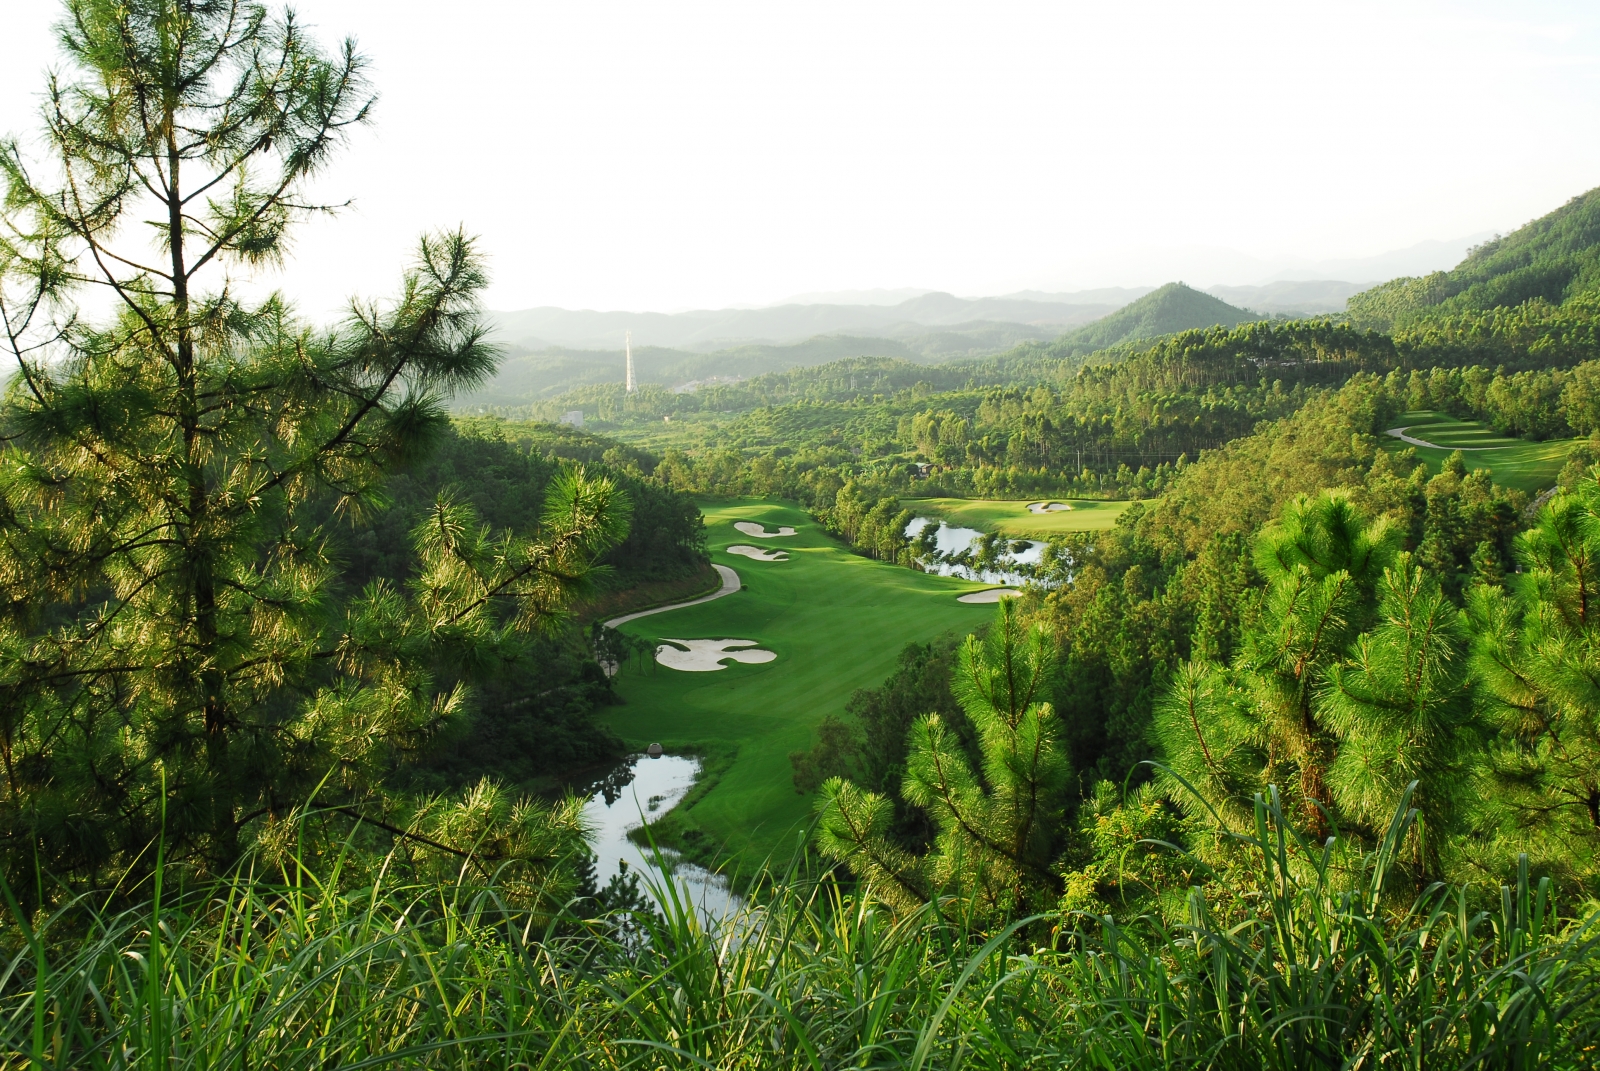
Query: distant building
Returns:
{"type": "Point", "coordinates": [574, 417]}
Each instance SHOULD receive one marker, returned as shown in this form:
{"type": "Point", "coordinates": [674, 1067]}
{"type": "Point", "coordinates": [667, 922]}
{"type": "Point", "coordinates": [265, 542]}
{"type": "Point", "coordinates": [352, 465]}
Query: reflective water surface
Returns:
{"type": "Point", "coordinates": [641, 789]}
{"type": "Point", "coordinates": [950, 540]}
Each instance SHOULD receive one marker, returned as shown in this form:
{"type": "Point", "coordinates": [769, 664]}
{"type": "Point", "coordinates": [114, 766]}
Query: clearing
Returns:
{"type": "Point", "coordinates": [1013, 517]}
{"type": "Point", "coordinates": [1519, 463]}
{"type": "Point", "coordinates": [836, 622]}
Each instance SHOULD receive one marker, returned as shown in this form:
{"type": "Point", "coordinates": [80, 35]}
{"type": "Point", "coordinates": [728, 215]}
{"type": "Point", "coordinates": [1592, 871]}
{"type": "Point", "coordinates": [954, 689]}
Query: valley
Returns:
{"type": "Point", "coordinates": [836, 622]}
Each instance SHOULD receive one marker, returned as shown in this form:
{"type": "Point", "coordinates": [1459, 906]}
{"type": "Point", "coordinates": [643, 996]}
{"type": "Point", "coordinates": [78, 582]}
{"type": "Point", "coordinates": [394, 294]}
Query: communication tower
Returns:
{"type": "Point", "coordinates": [628, 345]}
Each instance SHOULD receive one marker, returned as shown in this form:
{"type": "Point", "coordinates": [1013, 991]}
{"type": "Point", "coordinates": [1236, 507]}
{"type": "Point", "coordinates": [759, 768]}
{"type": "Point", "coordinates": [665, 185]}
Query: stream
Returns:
{"type": "Point", "coordinates": [642, 789]}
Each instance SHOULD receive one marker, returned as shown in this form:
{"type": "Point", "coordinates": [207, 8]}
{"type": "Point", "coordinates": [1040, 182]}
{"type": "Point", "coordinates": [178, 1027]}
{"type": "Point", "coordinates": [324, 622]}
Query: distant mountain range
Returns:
{"type": "Point", "coordinates": [532, 373]}
{"type": "Point", "coordinates": [704, 330]}
{"type": "Point", "coordinates": [930, 323]}
{"type": "Point", "coordinates": [550, 350]}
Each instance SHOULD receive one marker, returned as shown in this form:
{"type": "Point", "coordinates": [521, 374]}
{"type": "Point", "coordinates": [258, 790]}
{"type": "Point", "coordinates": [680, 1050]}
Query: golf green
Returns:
{"type": "Point", "coordinates": [1013, 518]}
{"type": "Point", "coordinates": [835, 620]}
{"type": "Point", "coordinates": [1518, 463]}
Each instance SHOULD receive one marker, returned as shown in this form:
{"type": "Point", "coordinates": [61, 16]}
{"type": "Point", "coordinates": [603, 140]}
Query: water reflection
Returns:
{"type": "Point", "coordinates": [643, 789]}
{"type": "Point", "coordinates": [975, 555]}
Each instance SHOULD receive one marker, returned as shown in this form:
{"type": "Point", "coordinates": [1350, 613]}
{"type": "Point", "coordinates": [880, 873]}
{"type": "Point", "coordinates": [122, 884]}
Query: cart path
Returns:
{"type": "Point", "coordinates": [1400, 433]}
{"type": "Point", "coordinates": [730, 584]}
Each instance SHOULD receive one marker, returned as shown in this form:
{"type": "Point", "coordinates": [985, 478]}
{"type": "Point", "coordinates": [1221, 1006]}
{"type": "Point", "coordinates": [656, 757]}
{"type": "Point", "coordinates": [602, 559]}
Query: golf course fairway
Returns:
{"type": "Point", "coordinates": [1013, 518]}
{"type": "Point", "coordinates": [1519, 463]}
{"type": "Point", "coordinates": [835, 620]}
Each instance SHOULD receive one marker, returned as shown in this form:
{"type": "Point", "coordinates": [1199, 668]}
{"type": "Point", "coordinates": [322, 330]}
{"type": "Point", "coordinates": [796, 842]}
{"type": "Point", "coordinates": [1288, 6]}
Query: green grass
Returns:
{"type": "Point", "coordinates": [1012, 517]}
{"type": "Point", "coordinates": [837, 622]}
{"type": "Point", "coordinates": [1317, 972]}
{"type": "Point", "coordinates": [1518, 463]}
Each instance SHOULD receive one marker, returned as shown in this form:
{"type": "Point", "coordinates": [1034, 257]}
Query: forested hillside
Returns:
{"type": "Point", "coordinates": [1553, 261]}
{"type": "Point", "coordinates": [1164, 311]}
{"type": "Point", "coordinates": [531, 712]}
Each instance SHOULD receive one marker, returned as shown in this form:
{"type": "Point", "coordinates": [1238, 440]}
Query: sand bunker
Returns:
{"type": "Point", "coordinates": [760, 554]}
{"type": "Point", "coordinates": [750, 528]}
{"type": "Point", "coordinates": [704, 656]}
{"type": "Point", "coordinates": [1048, 507]}
{"type": "Point", "coordinates": [992, 595]}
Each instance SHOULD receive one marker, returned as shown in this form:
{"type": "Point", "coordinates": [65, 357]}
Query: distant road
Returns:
{"type": "Point", "coordinates": [730, 584]}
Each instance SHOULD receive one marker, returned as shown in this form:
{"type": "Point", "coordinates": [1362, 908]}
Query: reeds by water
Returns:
{"type": "Point", "coordinates": [1328, 972]}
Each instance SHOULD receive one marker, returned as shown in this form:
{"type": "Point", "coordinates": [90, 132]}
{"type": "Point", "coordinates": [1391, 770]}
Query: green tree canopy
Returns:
{"type": "Point", "coordinates": [171, 657]}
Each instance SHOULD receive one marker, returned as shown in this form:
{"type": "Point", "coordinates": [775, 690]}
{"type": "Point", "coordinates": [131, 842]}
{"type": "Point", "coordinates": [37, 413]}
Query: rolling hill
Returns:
{"type": "Point", "coordinates": [534, 377]}
{"type": "Point", "coordinates": [1171, 308]}
{"type": "Point", "coordinates": [1555, 258]}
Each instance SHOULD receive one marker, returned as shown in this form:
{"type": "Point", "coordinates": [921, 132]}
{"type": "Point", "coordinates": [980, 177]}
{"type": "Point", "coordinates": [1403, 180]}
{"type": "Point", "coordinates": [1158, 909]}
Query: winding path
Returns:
{"type": "Point", "coordinates": [1400, 433]}
{"type": "Point", "coordinates": [730, 584]}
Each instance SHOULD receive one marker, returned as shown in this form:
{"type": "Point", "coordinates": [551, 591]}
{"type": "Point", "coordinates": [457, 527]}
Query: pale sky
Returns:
{"type": "Point", "coordinates": [661, 156]}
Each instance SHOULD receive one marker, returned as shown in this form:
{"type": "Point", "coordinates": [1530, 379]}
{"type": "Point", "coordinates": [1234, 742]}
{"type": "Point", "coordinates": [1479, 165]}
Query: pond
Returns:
{"type": "Point", "coordinates": [950, 540]}
{"type": "Point", "coordinates": [642, 789]}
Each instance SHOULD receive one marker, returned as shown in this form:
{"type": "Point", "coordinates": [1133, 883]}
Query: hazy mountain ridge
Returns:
{"type": "Point", "coordinates": [1290, 297]}
{"type": "Point", "coordinates": [706, 330]}
{"type": "Point", "coordinates": [525, 378]}
{"type": "Point", "coordinates": [930, 329]}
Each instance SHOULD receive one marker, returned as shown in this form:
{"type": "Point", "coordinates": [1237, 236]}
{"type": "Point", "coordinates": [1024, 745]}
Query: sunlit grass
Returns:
{"type": "Point", "coordinates": [1013, 518]}
{"type": "Point", "coordinates": [1516, 463]}
{"type": "Point", "coordinates": [837, 622]}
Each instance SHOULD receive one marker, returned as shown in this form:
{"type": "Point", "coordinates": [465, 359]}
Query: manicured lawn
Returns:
{"type": "Point", "coordinates": [1013, 518]}
{"type": "Point", "coordinates": [1527, 466]}
{"type": "Point", "coordinates": [836, 621]}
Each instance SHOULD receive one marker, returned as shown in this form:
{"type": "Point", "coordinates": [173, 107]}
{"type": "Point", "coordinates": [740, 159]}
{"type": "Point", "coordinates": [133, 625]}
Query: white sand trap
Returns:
{"type": "Point", "coordinates": [992, 595]}
{"type": "Point", "coordinates": [1048, 507]}
{"type": "Point", "coordinates": [760, 554]}
{"type": "Point", "coordinates": [704, 656]}
{"type": "Point", "coordinates": [751, 528]}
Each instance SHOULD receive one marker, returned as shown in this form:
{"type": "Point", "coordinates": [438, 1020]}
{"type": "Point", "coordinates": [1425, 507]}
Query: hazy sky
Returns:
{"type": "Point", "coordinates": [674, 155]}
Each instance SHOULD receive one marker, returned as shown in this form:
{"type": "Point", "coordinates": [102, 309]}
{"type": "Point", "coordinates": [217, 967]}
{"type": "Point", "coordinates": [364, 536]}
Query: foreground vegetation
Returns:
{"type": "Point", "coordinates": [1317, 967]}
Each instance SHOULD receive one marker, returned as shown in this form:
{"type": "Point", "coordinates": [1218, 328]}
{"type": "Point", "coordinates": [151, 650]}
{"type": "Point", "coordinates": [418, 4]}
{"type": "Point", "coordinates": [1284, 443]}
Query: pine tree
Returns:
{"type": "Point", "coordinates": [1351, 685]}
{"type": "Point", "coordinates": [1403, 714]}
{"type": "Point", "coordinates": [996, 825]}
{"type": "Point", "coordinates": [1536, 657]}
{"type": "Point", "coordinates": [175, 655]}
{"type": "Point", "coordinates": [1321, 562]}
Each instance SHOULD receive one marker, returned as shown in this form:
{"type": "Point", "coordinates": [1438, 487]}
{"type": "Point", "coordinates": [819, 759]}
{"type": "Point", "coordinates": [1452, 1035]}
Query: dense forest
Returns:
{"type": "Point", "coordinates": [1296, 766]}
{"type": "Point", "coordinates": [1121, 422]}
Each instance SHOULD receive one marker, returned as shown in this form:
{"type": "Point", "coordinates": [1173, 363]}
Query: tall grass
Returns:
{"type": "Point", "coordinates": [1320, 973]}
